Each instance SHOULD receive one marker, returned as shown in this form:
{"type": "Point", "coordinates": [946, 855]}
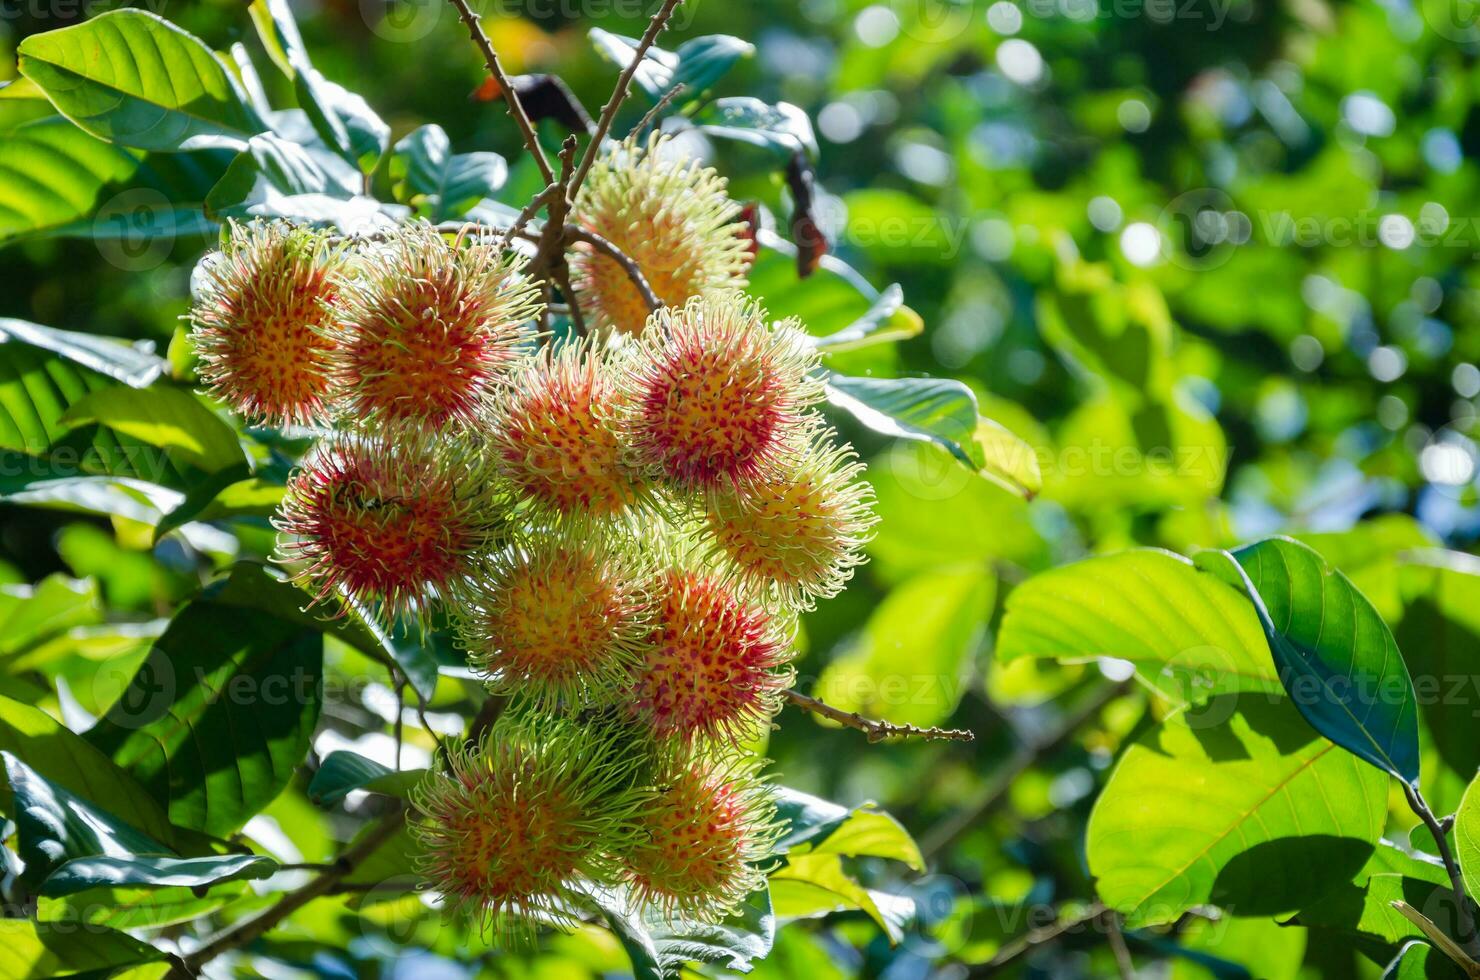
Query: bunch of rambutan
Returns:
{"type": "Point", "coordinates": [621, 530]}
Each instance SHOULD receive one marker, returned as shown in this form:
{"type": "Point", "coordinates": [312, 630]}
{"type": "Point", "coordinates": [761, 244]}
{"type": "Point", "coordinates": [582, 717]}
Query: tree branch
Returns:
{"type": "Point", "coordinates": [511, 98]}
{"type": "Point", "coordinates": [245, 933]}
{"type": "Point", "coordinates": [619, 93]}
{"type": "Point", "coordinates": [605, 247]}
{"type": "Point", "coordinates": [875, 730]}
{"type": "Point", "coordinates": [1465, 916]}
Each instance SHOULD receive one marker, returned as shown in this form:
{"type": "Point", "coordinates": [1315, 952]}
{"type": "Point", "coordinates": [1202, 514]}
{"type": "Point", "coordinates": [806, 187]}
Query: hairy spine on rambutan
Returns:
{"type": "Point", "coordinates": [428, 328]}
{"type": "Point", "coordinates": [557, 435]}
{"type": "Point", "coordinates": [669, 215]}
{"type": "Point", "coordinates": [513, 825]}
{"type": "Point", "coordinates": [703, 838]}
{"type": "Point", "coordinates": [390, 525]}
{"type": "Point", "coordinates": [259, 321]}
{"type": "Point", "coordinates": [718, 396]}
{"type": "Point", "coordinates": [796, 535]}
{"type": "Point", "coordinates": [717, 663]}
{"type": "Point", "coordinates": [562, 618]}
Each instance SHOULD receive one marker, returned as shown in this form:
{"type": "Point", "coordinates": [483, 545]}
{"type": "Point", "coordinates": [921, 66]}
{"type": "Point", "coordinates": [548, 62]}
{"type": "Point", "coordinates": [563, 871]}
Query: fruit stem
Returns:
{"type": "Point", "coordinates": [875, 730]}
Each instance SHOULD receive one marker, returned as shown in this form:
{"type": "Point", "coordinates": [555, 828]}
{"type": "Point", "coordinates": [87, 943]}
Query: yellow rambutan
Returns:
{"type": "Point", "coordinates": [511, 827]}
{"type": "Point", "coordinates": [258, 321]}
{"type": "Point", "coordinates": [563, 617]}
{"type": "Point", "coordinates": [391, 525]}
{"type": "Point", "coordinates": [428, 328]}
{"type": "Point", "coordinates": [702, 838]}
{"type": "Point", "coordinates": [718, 395]}
{"type": "Point", "coordinates": [557, 436]}
{"type": "Point", "coordinates": [669, 215]}
{"type": "Point", "coordinates": [796, 534]}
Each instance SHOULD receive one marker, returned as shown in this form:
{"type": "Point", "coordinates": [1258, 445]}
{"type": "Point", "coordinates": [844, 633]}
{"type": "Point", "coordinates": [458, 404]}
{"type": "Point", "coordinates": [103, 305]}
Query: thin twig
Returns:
{"type": "Point", "coordinates": [619, 93]}
{"type": "Point", "coordinates": [245, 933]}
{"type": "Point", "coordinates": [1035, 938]}
{"type": "Point", "coordinates": [496, 68]}
{"type": "Point", "coordinates": [523, 218]}
{"type": "Point", "coordinates": [1124, 965]}
{"type": "Point", "coordinates": [945, 833]}
{"type": "Point", "coordinates": [875, 730]}
{"type": "Point", "coordinates": [664, 102]}
{"type": "Point", "coordinates": [572, 306]}
{"type": "Point", "coordinates": [605, 247]}
{"type": "Point", "coordinates": [1465, 917]}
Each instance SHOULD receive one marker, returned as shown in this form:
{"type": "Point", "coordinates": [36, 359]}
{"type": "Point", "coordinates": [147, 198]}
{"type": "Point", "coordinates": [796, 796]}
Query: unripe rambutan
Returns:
{"type": "Point", "coordinates": [258, 322]}
{"type": "Point", "coordinates": [511, 826]}
{"type": "Point", "coordinates": [701, 838]}
{"type": "Point", "coordinates": [557, 435]}
{"type": "Point", "coordinates": [564, 617]}
{"type": "Point", "coordinates": [716, 663]}
{"type": "Point", "coordinates": [390, 525]}
{"type": "Point", "coordinates": [718, 396]}
{"type": "Point", "coordinates": [428, 327]}
{"type": "Point", "coordinates": [672, 217]}
{"type": "Point", "coordinates": [796, 535]}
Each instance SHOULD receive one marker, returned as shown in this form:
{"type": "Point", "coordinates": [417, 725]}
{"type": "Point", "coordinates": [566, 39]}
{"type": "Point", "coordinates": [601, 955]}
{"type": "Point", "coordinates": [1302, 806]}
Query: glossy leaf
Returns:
{"type": "Point", "coordinates": [658, 948]}
{"type": "Point", "coordinates": [118, 359]}
{"type": "Point", "coordinates": [341, 772]}
{"type": "Point", "coordinates": [115, 871]}
{"type": "Point", "coordinates": [439, 183]}
{"type": "Point", "coordinates": [42, 950]}
{"type": "Point", "coordinates": [782, 128]}
{"type": "Point", "coordinates": [168, 418]}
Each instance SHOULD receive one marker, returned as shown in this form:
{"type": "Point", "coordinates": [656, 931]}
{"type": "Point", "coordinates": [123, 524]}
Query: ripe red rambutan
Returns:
{"type": "Point", "coordinates": [428, 328]}
{"type": "Point", "coordinates": [701, 838]}
{"type": "Point", "coordinates": [670, 216]}
{"type": "Point", "coordinates": [390, 525]}
{"type": "Point", "coordinates": [796, 535]}
{"type": "Point", "coordinates": [511, 826]}
{"type": "Point", "coordinates": [557, 435]}
{"type": "Point", "coordinates": [717, 395]}
{"type": "Point", "coordinates": [258, 322]}
{"type": "Point", "coordinates": [563, 617]}
{"type": "Point", "coordinates": [716, 663]}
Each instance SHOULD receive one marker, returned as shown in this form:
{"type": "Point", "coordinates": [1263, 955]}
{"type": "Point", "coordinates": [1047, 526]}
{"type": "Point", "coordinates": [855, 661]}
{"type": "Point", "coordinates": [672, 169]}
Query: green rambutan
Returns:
{"type": "Point", "coordinates": [428, 328]}
{"type": "Point", "coordinates": [702, 838]}
{"type": "Point", "coordinates": [564, 617]}
{"type": "Point", "coordinates": [259, 322]}
{"type": "Point", "coordinates": [512, 826]}
{"type": "Point", "coordinates": [797, 534]}
{"type": "Point", "coordinates": [718, 396]}
{"type": "Point", "coordinates": [670, 216]}
{"type": "Point", "coordinates": [391, 525]}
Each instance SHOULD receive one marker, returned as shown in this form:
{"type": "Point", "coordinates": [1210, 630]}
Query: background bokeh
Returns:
{"type": "Point", "coordinates": [1213, 259]}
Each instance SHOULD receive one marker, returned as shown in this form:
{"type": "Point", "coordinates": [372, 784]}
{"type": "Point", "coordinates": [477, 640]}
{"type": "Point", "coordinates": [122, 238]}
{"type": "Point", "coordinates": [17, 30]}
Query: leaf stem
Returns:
{"type": "Point", "coordinates": [876, 730]}
{"type": "Point", "coordinates": [1465, 917]}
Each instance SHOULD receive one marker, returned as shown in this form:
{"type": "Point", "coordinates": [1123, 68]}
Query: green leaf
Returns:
{"type": "Point", "coordinates": [658, 948]}
{"type": "Point", "coordinates": [816, 826]}
{"type": "Point", "coordinates": [1467, 837]}
{"type": "Point", "coordinates": [130, 77]}
{"type": "Point", "coordinates": [1363, 907]}
{"type": "Point", "coordinates": [42, 950]}
{"type": "Point", "coordinates": [276, 177]}
{"type": "Point", "coordinates": [1267, 816]}
{"type": "Point", "coordinates": [30, 614]}
{"type": "Point", "coordinates": [1335, 655]}
{"type": "Point", "coordinates": [220, 715]}
{"type": "Point", "coordinates": [816, 884]}
{"type": "Point", "coordinates": [910, 662]}
{"type": "Point", "coordinates": [1417, 960]}
{"type": "Point", "coordinates": [887, 321]}
{"type": "Point", "coordinates": [697, 63]}
{"type": "Point", "coordinates": [169, 418]}
{"type": "Point", "coordinates": [343, 771]}
{"type": "Point", "coordinates": [1189, 635]}
{"type": "Point", "coordinates": [935, 410]}
{"type": "Point", "coordinates": [116, 358]}
{"type": "Point", "coordinates": [439, 183]}
{"type": "Point", "coordinates": [68, 761]}
{"type": "Point", "coordinates": [111, 871]}
{"type": "Point", "coordinates": [782, 128]}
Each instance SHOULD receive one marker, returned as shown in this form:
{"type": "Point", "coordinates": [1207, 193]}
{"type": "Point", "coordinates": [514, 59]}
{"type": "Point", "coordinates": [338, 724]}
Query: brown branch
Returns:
{"type": "Point", "coordinates": [245, 933]}
{"type": "Point", "coordinates": [619, 92]}
{"type": "Point", "coordinates": [1037, 937]}
{"type": "Point", "coordinates": [946, 832]}
{"type": "Point", "coordinates": [611, 251]}
{"type": "Point", "coordinates": [1464, 917]}
{"type": "Point", "coordinates": [511, 98]}
{"type": "Point", "coordinates": [652, 114]}
{"type": "Point", "coordinates": [876, 731]}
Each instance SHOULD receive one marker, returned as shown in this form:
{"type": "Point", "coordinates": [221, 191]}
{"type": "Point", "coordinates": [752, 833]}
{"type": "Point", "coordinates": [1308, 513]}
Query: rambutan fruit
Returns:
{"type": "Point", "coordinates": [702, 838]}
{"type": "Point", "coordinates": [797, 534]}
{"type": "Point", "coordinates": [671, 216]}
{"type": "Point", "coordinates": [258, 322]}
{"type": "Point", "coordinates": [718, 396]}
{"type": "Point", "coordinates": [563, 617]}
{"type": "Point", "coordinates": [428, 328]}
{"type": "Point", "coordinates": [389, 525]}
{"type": "Point", "coordinates": [557, 435]}
{"type": "Point", "coordinates": [716, 662]}
{"type": "Point", "coordinates": [513, 825]}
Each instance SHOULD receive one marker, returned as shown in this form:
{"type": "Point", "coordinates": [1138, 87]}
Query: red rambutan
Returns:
{"type": "Point", "coordinates": [717, 395]}
{"type": "Point", "coordinates": [428, 328]}
{"type": "Point", "coordinates": [258, 322]}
